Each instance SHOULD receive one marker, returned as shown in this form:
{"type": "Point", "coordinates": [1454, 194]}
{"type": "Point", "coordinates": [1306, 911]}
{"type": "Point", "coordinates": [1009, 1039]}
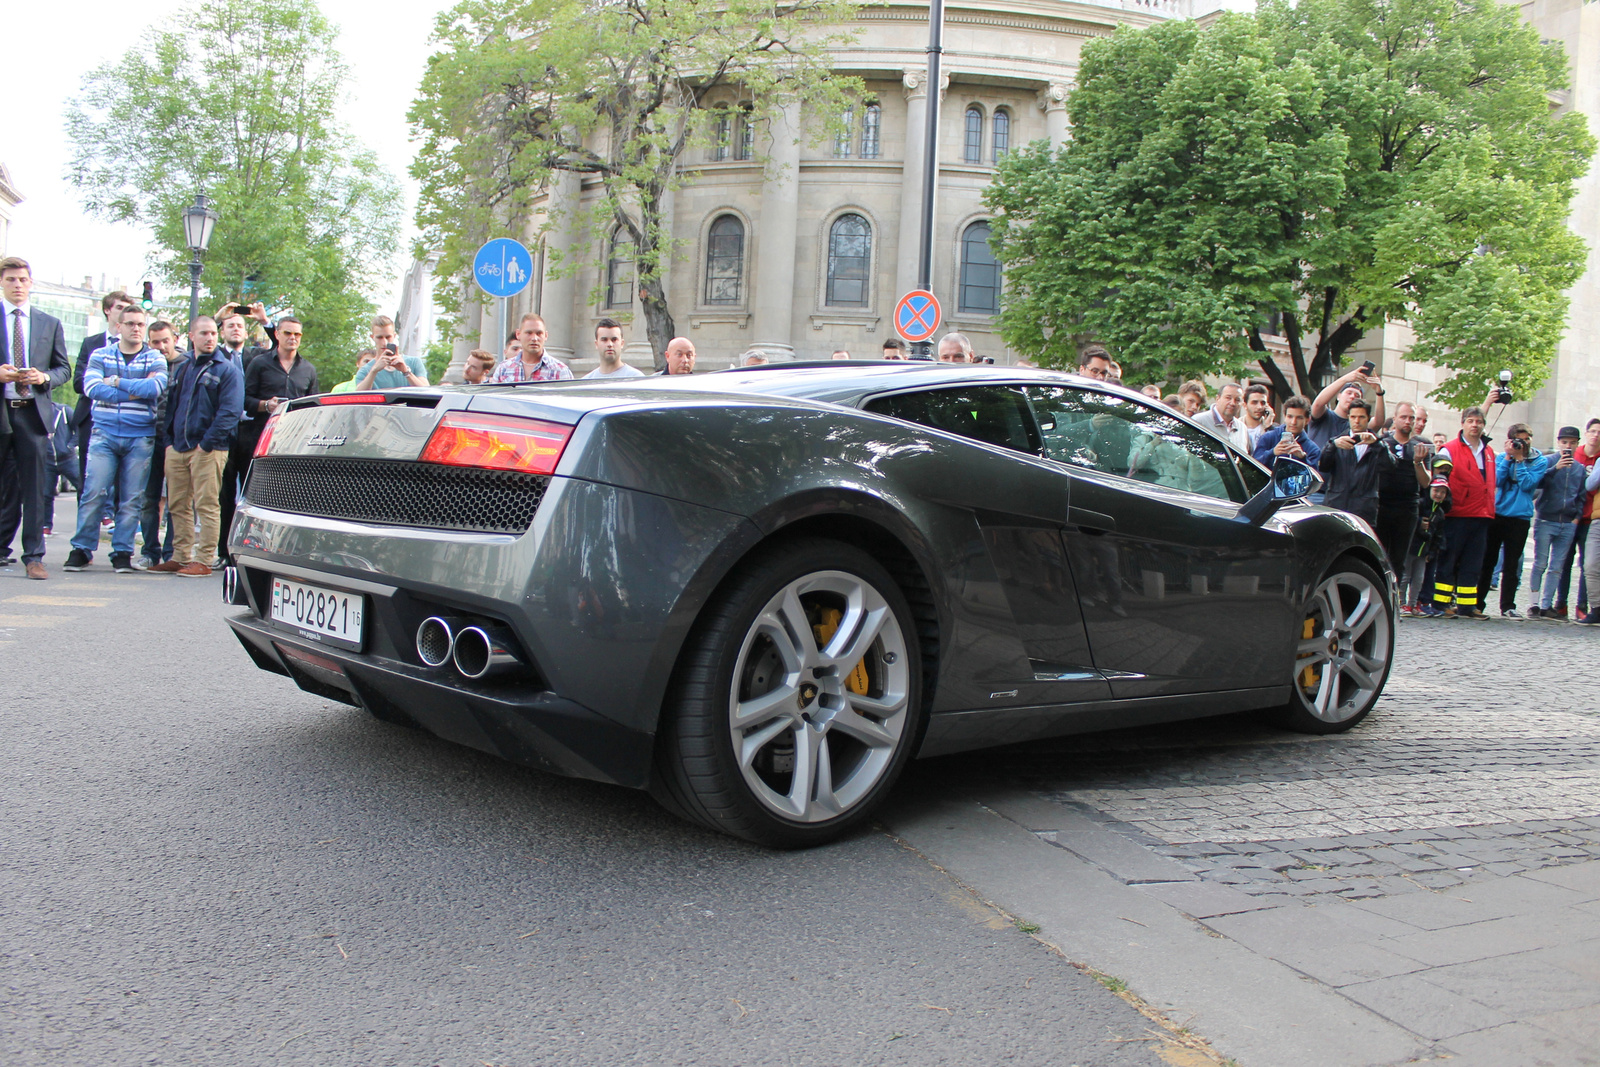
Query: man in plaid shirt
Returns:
{"type": "Point", "coordinates": [533, 365]}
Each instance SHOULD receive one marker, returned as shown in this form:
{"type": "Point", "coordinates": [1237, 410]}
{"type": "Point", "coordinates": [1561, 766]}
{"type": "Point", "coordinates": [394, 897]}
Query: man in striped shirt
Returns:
{"type": "Point", "coordinates": [125, 380]}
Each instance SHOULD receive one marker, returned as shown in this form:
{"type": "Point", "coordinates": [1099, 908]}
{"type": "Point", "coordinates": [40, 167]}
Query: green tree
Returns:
{"type": "Point", "coordinates": [237, 98]}
{"type": "Point", "coordinates": [614, 90]}
{"type": "Point", "coordinates": [1336, 164]}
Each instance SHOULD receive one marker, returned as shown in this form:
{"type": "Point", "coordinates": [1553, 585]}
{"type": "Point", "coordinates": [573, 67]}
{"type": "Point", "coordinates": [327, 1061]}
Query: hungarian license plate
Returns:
{"type": "Point", "coordinates": [320, 614]}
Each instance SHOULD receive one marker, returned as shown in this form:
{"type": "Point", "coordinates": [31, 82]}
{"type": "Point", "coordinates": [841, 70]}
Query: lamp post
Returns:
{"type": "Point", "coordinates": [198, 221]}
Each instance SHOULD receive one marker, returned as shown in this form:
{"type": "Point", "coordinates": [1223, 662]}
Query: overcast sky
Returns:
{"type": "Point", "coordinates": [386, 47]}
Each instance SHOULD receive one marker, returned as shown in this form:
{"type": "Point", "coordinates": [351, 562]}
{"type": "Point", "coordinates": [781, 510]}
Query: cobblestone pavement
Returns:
{"type": "Point", "coordinates": [1458, 774]}
{"type": "Point", "coordinates": [1438, 865]}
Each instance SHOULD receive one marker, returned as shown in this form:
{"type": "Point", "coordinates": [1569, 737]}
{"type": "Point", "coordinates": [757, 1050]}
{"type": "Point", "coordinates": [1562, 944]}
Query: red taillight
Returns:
{"type": "Point", "coordinates": [266, 434]}
{"type": "Point", "coordinates": [498, 442]}
{"type": "Point", "coordinates": [352, 398]}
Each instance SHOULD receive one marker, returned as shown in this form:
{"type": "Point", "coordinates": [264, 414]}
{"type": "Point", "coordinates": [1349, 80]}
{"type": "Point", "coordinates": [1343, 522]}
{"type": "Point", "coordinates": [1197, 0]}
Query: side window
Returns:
{"type": "Point", "coordinates": [1255, 479]}
{"type": "Point", "coordinates": [1118, 436]}
{"type": "Point", "coordinates": [994, 414]}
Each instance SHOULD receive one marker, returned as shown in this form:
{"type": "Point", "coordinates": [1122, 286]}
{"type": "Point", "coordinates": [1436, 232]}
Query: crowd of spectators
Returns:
{"type": "Point", "coordinates": [164, 418]}
{"type": "Point", "coordinates": [1453, 515]}
{"type": "Point", "coordinates": [164, 429]}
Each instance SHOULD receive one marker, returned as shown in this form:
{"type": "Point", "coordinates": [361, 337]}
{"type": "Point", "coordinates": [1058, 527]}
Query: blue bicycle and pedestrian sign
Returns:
{"type": "Point", "coordinates": [916, 317]}
{"type": "Point", "coordinates": [503, 267]}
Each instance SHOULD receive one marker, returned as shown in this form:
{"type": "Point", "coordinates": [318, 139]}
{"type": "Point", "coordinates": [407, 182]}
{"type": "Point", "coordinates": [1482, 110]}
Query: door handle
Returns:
{"type": "Point", "coordinates": [1090, 521]}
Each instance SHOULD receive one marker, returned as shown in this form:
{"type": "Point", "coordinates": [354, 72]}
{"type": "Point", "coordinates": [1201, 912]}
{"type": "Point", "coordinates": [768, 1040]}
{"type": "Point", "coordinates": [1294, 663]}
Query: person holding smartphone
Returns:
{"type": "Point", "coordinates": [1353, 466]}
{"type": "Point", "coordinates": [1330, 411]}
{"type": "Point", "coordinates": [391, 370]}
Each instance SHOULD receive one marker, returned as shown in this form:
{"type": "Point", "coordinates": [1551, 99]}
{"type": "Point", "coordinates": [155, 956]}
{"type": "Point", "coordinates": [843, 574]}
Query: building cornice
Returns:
{"type": "Point", "coordinates": [8, 190]}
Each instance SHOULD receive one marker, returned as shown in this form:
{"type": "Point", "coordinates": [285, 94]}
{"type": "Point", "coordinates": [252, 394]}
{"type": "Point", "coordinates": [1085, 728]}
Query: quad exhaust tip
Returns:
{"type": "Point", "coordinates": [486, 651]}
{"type": "Point", "coordinates": [436, 640]}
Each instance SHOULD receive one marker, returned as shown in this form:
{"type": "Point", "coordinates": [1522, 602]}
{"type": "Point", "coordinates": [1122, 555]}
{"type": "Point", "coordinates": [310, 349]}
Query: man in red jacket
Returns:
{"type": "Point", "coordinates": [1466, 527]}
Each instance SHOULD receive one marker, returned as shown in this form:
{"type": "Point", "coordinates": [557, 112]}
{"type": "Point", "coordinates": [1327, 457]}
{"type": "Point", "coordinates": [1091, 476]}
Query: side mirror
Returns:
{"type": "Point", "coordinates": [1292, 480]}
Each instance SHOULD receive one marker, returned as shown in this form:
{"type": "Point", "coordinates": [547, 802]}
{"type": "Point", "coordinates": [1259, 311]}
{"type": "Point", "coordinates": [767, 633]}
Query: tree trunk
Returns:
{"type": "Point", "coordinates": [658, 323]}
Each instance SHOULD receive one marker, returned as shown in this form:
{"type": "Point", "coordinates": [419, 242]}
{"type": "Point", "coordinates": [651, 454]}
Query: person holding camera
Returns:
{"type": "Point", "coordinates": [1473, 470]}
{"type": "Point", "coordinates": [1518, 472]}
{"type": "Point", "coordinates": [1353, 464]}
{"type": "Point", "coordinates": [1555, 529]}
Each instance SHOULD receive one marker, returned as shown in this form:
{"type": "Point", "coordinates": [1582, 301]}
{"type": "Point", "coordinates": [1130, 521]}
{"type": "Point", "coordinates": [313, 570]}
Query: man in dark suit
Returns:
{"type": "Point", "coordinates": [82, 421]}
{"type": "Point", "coordinates": [35, 363]}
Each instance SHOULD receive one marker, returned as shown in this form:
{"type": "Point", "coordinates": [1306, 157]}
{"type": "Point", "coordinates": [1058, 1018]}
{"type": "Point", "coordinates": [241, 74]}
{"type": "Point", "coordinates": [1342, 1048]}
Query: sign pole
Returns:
{"type": "Point", "coordinates": [930, 151]}
{"type": "Point", "coordinates": [505, 326]}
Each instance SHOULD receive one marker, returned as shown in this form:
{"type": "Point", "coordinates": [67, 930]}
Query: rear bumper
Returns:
{"type": "Point", "coordinates": [524, 724]}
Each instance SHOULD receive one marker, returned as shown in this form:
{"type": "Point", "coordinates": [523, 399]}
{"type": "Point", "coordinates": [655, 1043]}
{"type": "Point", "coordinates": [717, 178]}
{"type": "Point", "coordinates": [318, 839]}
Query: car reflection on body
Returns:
{"type": "Point", "coordinates": [758, 593]}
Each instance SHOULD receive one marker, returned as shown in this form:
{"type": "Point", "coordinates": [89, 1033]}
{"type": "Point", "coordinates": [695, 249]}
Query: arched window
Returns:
{"type": "Point", "coordinates": [871, 129]}
{"type": "Point", "coordinates": [744, 148]}
{"type": "Point", "coordinates": [974, 147]}
{"type": "Point", "coordinates": [846, 134]}
{"type": "Point", "coordinates": [619, 271]}
{"type": "Point", "coordinates": [722, 135]}
{"type": "Point", "coordinates": [849, 261]}
{"type": "Point", "coordinates": [1002, 133]}
{"type": "Point", "coordinates": [724, 260]}
{"type": "Point", "coordinates": [980, 272]}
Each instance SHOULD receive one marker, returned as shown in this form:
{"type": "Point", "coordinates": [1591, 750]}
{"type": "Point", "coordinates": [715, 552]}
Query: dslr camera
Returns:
{"type": "Point", "coordinates": [1505, 396]}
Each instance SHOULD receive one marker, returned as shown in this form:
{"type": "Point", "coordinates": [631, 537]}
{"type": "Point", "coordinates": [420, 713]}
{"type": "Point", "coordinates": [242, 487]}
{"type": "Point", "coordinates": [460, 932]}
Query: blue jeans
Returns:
{"type": "Point", "coordinates": [114, 462]}
{"type": "Point", "coordinates": [1552, 545]}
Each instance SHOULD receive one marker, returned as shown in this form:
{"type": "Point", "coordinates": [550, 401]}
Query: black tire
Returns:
{"type": "Point", "coordinates": [737, 660]}
{"type": "Point", "coordinates": [1343, 652]}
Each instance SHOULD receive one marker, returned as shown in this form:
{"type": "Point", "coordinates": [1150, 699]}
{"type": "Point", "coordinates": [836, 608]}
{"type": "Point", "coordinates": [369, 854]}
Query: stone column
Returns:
{"type": "Point", "coordinates": [559, 296]}
{"type": "Point", "coordinates": [915, 83]}
{"type": "Point", "coordinates": [773, 295]}
{"type": "Point", "coordinates": [463, 341]}
{"type": "Point", "coordinates": [1053, 102]}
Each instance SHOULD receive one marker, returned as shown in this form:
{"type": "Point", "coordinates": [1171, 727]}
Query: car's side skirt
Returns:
{"type": "Point", "coordinates": [963, 731]}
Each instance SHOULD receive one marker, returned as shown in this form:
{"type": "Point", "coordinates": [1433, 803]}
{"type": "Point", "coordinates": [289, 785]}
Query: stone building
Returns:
{"type": "Point", "coordinates": [799, 248]}
{"type": "Point", "coordinates": [9, 198]}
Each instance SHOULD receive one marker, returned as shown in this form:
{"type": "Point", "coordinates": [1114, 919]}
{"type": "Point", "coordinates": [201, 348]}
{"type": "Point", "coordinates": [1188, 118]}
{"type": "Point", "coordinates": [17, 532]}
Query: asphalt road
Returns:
{"type": "Point", "coordinates": [204, 865]}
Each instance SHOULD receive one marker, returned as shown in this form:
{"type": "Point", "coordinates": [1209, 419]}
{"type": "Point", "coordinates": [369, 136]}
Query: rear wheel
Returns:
{"type": "Point", "coordinates": [797, 699]}
{"type": "Point", "coordinates": [1342, 659]}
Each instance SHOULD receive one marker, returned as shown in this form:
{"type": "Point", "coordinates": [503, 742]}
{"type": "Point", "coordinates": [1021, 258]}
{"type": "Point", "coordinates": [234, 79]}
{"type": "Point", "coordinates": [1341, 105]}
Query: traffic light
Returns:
{"type": "Point", "coordinates": [148, 301]}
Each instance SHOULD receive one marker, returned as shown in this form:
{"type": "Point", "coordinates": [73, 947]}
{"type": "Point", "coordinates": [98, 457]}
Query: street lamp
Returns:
{"type": "Point", "coordinates": [198, 222]}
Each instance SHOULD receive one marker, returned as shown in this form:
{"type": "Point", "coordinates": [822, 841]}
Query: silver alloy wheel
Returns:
{"type": "Point", "coordinates": [1347, 654]}
{"type": "Point", "coordinates": [811, 747]}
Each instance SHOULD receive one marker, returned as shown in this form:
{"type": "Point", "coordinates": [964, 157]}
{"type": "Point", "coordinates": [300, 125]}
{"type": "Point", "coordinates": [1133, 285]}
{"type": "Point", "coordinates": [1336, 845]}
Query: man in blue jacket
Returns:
{"type": "Point", "coordinates": [1289, 439]}
{"type": "Point", "coordinates": [207, 394]}
{"type": "Point", "coordinates": [124, 380]}
{"type": "Point", "coordinates": [1560, 503]}
{"type": "Point", "coordinates": [1518, 471]}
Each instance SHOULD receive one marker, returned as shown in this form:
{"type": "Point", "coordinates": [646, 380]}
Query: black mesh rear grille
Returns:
{"type": "Point", "coordinates": [398, 494]}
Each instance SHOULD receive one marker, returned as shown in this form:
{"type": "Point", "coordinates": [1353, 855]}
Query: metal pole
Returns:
{"type": "Point", "coordinates": [930, 150]}
{"type": "Point", "coordinates": [505, 328]}
{"type": "Point", "coordinates": [195, 267]}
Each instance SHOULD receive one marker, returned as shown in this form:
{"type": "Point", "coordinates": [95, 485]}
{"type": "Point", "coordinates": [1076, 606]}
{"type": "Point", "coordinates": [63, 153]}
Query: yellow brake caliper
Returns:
{"type": "Point", "coordinates": [1309, 677]}
{"type": "Point", "coordinates": [823, 631]}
